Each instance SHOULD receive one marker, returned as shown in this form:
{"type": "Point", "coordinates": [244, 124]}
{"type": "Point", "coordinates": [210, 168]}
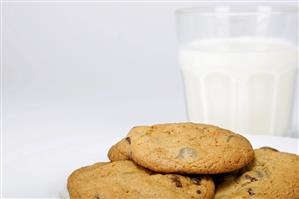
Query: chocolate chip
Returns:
{"type": "Point", "coordinates": [198, 191]}
{"type": "Point", "coordinates": [178, 184]}
{"type": "Point", "coordinates": [248, 177]}
{"type": "Point", "coordinates": [269, 148]}
{"type": "Point", "coordinates": [177, 181]}
{"type": "Point", "coordinates": [195, 181]}
{"type": "Point", "coordinates": [97, 197]}
{"type": "Point", "coordinates": [259, 174]}
{"type": "Point", "coordinates": [229, 138]}
{"type": "Point", "coordinates": [250, 191]}
{"type": "Point", "coordinates": [128, 140]}
{"type": "Point", "coordinates": [186, 153]}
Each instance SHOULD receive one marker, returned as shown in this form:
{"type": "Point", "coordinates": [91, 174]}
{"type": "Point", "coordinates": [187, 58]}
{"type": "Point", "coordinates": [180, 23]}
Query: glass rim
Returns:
{"type": "Point", "coordinates": [231, 10]}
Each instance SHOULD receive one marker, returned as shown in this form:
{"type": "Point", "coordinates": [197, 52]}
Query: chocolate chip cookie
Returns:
{"type": "Point", "coordinates": [272, 175]}
{"type": "Point", "coordinates": [184, 148]}
{"type": "Point", "coordinates": [121, 150]}
{"type": "Point", "coordinates": [126, 180]}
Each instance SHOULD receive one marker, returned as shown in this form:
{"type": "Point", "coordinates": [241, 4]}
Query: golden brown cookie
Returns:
{"type": "Point", "coordinates": [184, 148]}
{"type": "Point", "coordinates": [120, 151]}
{"type": "Point", "coordinates": [126, 180]}
{"type": "Point", "coordinates": [272, 175]}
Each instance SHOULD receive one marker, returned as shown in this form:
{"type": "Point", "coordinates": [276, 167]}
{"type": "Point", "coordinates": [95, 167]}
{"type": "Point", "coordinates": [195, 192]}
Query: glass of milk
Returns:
{"type": "Point", "coordinates": [239, 65]}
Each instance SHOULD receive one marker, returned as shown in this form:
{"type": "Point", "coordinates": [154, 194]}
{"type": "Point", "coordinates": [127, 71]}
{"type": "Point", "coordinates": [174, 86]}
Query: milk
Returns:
{"type": "Point", "coordinates": [243, 84]}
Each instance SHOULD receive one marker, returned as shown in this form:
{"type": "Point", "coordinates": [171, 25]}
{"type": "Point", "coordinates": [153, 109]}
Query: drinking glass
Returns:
{"type": "Point", "coordinates": [239, 65]}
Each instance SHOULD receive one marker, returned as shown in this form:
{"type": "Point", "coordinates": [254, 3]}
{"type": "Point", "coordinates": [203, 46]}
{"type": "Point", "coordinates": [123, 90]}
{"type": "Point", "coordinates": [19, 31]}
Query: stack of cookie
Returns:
{"type": "Point", "coordinates": [187, 160]}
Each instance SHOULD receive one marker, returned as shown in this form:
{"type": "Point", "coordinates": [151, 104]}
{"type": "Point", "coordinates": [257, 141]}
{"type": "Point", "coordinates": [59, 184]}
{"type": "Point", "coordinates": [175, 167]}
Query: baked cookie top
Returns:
{"type": "Point", "coordinates": [272, 175]}
{"type": "Point", "coordinates": [126, 180]}
{"type": "Point", "coordinates": [184, 148]}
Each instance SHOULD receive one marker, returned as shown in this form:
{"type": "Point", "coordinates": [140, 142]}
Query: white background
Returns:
{"type": "Point", "coordinates": [76, 74]}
